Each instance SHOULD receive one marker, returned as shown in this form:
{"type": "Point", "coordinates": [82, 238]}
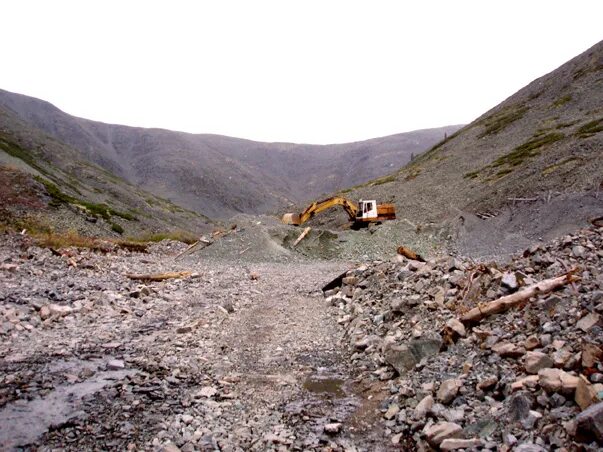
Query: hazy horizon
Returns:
{"type": "Point", "coordinates": [317, 72]}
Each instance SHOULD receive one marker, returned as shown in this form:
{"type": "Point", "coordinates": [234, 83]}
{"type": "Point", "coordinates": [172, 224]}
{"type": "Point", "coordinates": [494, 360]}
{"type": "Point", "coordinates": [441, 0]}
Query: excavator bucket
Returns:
{"type": "Point", "coordinates": [291, 218]}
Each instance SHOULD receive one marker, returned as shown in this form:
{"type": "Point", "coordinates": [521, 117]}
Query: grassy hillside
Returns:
{"type": "Point", "coordinates": [49, 185]}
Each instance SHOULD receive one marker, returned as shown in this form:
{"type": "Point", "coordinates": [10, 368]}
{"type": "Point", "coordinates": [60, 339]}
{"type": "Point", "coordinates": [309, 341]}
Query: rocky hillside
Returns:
{"type": "Point", "coordinates": [525, 378]}
{"type": "Point", "coordinates": [530, 168]}
{"type": "Point", "coordinates": [48, 186]}
{"type": "Point", "coordinates": [216, 175]}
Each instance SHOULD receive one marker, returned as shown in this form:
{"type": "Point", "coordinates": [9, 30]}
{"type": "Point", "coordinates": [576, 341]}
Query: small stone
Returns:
{"type": "Point", "coordinates": [448, 390]}
{"type": "Point", "coordinates": [391, 411]}
{"type": "Point", "coordinates": [519, 406]}
{"type": "Point", "coordinates": [228, 306]}
{"type": "Point", "coordinates": [509, 280]}
{"type": "Point", "coordinates": [534, 361]}
{"type": "Point", "coordinates": [116, 364]}
{"type": "Point", "coordinates": [556, 380]}
{"type": "Point", "coordinates": [424, 407]}
{"type": "Point", "coordinates": [187, 419]}
{"type": "Point", "coordinates": [458, 443]}
{"type": "Point", "coordinates": [578, 251]}
{"type": "Point", "coordinates": [332, 428]}
{"type": "Point", "coordinates": [591, 355]}
{"type": "Point", "coordinates": [585, 394]}
{"type": "Point", "coordinates": [184, 329]}
{"type": "Point", "coordinates": [45, 312]}
{"type": "Point", "coordinates": [589, 424]}
{"type": "Point", "coordinates": [508, 350]}
{"type": "Point", "coordinates": [531, 342]}
{"type": "Point", "coordinates": [406, 356]}
{"type": "Point", "coordinates": [456, 326]}
{"type": "Point", "coordinates": [207, 391]}
{"type": "Point", "coordinates": [588, 321]}
{"type": "Point", "coordinates": [59, 310]}
{"type": "Point", "coordinates": [437, 433]}
{"type": "Point", "coordinates": [170, 447]}
{"type": "Point", "coordinates": [487, 383]}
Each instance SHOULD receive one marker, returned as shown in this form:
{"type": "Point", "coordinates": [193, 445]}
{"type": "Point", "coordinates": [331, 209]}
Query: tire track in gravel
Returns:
{"type": "Point", "coordinates": [287, 339]}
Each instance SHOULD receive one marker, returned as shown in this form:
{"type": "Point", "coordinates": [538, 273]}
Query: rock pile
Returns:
{"type": "Point", "coordinates": [528, 379]}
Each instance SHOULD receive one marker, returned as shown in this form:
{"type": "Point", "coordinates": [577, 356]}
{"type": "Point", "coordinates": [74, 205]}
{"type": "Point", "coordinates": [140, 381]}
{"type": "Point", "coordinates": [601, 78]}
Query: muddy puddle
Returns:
{"type": "Point", "coordinates": [22, 422]}
{"type": "Point", "coordinates": [325, 385]}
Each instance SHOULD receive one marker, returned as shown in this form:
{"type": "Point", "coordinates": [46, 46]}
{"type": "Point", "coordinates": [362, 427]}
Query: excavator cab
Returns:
{"type": "Point", "coordinates": [367, 209]}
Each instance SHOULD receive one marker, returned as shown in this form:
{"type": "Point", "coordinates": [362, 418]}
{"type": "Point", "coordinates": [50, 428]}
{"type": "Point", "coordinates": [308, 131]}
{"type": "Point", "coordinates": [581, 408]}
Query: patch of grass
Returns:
{"type": "Point", "coordinates": [590, 128]}
{"type": "Point", "coordinates": [117, 228]}
{"type": "Point", "coordinates": [65, 240]}
{"type": "Point", "coordinates": [102, 210]}
{"type": "Point", "coordinates": [500, 120]}
{"type": "Point", "coordinates": [471, 174]}
{"type": "Point", "coordinates": [562, 101]}
{"type": "Point", "coordinates": [504, 172]}
{"type": "Point", "coordinates": [555, 166]}
{"type": "Point", "coordinates": [180, 236]}
{"type": "Point", "coordinates": [384, 180]}
{"type": "Point", "coordinates": [564, 125]}
{"type": "Point", "coordinates": [529, 149]}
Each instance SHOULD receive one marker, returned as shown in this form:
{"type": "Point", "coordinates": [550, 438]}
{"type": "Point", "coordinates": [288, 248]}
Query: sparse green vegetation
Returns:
{"type": "Point", "coordinates": [117, 228]}
{"type": "Point", "coordinates": [471, 174]}
{"type": "Point", "coordinates": [59, 198]}
{"type": "Point", "coordinates": [384, 180]}
{"type": "Point", "coordinates": [562, 101]}
{"type": "Point", "coordinates": [527, 150]}
{"type": "Point", "coordinates": [180, 236]}
{"type": "Point", "coordinates": [551, 168]}
{"type": "Point", "coordinates": [590, 128]}
{"type": "Point", "coordinates": [498, 121]}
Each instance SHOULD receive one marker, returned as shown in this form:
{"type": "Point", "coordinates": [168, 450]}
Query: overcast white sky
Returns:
{"type": "Point", "coordinates": [304, 71]}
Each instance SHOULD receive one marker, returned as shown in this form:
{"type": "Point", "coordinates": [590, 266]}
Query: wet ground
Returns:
{"type": "Point", "coordinates": [235, 357]}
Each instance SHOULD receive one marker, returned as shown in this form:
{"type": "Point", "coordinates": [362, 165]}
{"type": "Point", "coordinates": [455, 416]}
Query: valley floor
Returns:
{"type": "Point", "coordinates": [229, 358]}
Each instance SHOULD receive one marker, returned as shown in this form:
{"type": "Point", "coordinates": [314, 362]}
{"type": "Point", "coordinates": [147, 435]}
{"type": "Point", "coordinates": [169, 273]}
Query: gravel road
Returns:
{"type": "Point", "coordinates": [231, 357]}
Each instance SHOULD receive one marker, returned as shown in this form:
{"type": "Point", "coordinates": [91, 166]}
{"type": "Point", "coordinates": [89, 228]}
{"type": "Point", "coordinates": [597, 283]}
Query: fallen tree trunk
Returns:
{"type": "Point", "coordinates": [410, 254]}
{"type": "Point", "coordinates": [158, 276]}
{"type": "Point", "coordinates": [301, 236]}
{"type": "Point", "coordinates": [507, 302]}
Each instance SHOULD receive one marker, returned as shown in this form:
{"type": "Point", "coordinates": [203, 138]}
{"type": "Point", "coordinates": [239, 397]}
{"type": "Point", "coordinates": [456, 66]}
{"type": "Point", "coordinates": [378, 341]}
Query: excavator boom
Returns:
{"type": "Point", "coordinates": [318, 206]}
{"type": "Point", "coordinates": [362, 213]}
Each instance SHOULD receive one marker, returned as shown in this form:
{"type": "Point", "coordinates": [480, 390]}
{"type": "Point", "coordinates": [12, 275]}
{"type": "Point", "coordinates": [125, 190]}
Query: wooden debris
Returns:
{"type": "Point", "coordinates": [505, 303]}
{"type": "Point", "coordinates": [410, 254]}
{"type": "Point", "coordinates": [158, 276]}
{"type": "Point", "coordinates": [133, 246]}
{"type": "Point", "coordinates": [301, 236]}
{"type": "Point", "coordinates": [204, 242]}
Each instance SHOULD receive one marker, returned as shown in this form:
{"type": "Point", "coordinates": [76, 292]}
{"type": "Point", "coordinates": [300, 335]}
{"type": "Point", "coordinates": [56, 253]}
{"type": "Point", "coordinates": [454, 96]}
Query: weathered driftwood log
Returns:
{"type": "Point", "coordinates": [507, 302]}
{"type": "Point", "coordinates": [158, 276]}
{"type": "Point", "coordinates": [410, 254]}
{"type": "Point", "coordinates": [301, 236]}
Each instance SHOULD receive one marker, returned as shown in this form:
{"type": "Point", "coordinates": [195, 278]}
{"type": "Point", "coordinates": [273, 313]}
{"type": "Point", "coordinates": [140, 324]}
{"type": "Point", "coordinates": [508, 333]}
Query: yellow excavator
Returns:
{"type": "Point", "coordinates": [366, 211]}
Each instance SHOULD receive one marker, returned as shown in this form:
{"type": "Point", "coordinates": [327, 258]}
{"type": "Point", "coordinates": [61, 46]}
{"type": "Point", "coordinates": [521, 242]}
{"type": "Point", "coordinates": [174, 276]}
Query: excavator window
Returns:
{"type": "Point", "coordinates": [368, 206]}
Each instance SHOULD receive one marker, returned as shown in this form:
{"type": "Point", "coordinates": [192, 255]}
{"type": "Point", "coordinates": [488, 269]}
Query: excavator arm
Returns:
{"type": "Point", "coordinates": [318, 206]}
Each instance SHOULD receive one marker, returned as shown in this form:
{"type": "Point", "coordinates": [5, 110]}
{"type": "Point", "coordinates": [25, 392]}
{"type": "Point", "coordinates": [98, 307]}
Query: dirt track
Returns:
{"type": "Point", "coordinates": [268, 374]}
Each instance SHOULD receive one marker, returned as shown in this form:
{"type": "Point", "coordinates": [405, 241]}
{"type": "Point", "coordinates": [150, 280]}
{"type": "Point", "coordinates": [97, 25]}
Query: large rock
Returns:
{"type": "Point", "coordinates": [556, 380]}
{"type": "Point", "coordinates": [535, 361]}
{"type": "Point", "coordinates": [406, 356]}
{"type": "Point", "coordinates": [437, 433]}
{"type": "Point", "coordinates": [589, 424]}
{"type": "Point", "coordinates": [424, 407]}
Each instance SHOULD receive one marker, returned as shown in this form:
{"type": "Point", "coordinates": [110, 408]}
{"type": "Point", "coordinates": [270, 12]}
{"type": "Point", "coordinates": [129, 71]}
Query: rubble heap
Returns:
{"type": "Point", "coordinates": [528, 379]}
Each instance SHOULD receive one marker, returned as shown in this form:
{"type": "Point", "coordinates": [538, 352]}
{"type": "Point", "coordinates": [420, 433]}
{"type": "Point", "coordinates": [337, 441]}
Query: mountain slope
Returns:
{"type": "Point", "coordinates": [528, 168]}
{"type": "Point", "coordinates": [49, 185]}
{"type": "Point", "coordinates": [218, 175]}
